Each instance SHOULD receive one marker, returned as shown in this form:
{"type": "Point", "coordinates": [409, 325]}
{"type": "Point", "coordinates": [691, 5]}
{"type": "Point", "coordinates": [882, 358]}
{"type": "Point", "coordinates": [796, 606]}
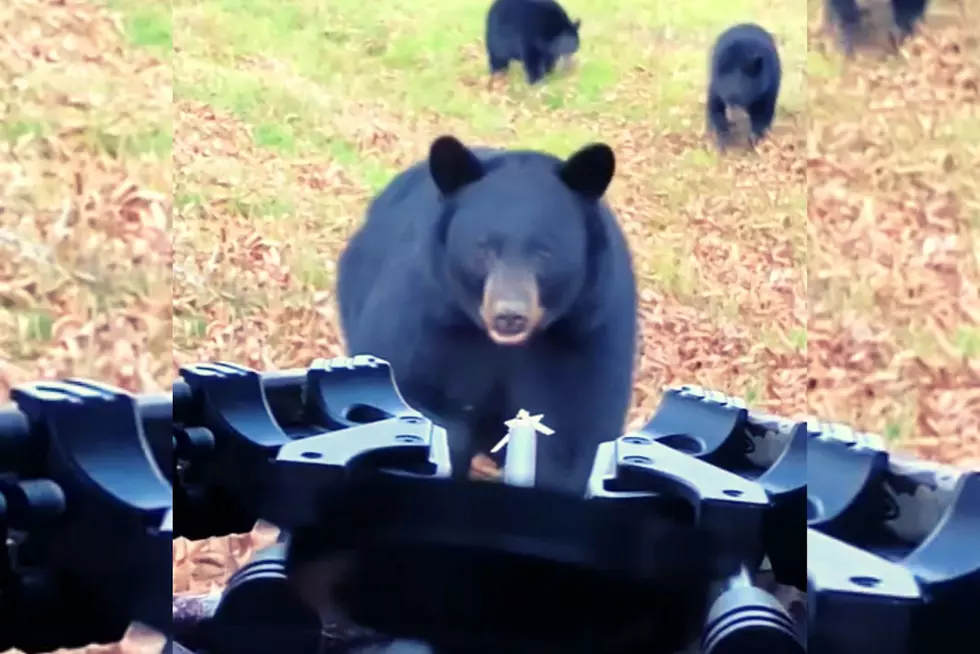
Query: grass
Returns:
{"type": "Point", "coordinates": [147, 26]}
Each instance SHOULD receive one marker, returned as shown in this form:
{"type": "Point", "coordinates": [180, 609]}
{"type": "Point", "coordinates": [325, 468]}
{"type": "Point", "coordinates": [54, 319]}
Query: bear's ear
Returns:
{"type": "Point", "coordinates": [452, 165]}
{"type": "Point", "coordinates": [589, 171]}
{"type": "Point", "coordinates": [577, 24]}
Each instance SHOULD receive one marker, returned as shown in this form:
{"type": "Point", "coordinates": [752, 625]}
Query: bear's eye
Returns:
{"type": "Point", "coordinates": [541, 253]}
{"type": "Point", "coordinates": [485, 253]}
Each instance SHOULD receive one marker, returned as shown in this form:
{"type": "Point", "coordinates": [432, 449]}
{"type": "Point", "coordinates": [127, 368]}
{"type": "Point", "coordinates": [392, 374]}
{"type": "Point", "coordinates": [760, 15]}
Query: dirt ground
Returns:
{"type": "Point", "coordinates": [834, 272]}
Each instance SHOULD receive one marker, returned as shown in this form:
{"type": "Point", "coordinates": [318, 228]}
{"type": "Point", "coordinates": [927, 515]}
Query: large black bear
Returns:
{"type": "Point", "coordinates": [495, 281]}
{"type": "Point", "coordinates": [745, 73]}
{"type": "Point", "coordinates": [535, 32]}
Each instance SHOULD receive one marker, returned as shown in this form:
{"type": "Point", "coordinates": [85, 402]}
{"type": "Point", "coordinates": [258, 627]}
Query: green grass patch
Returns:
{"type": "Point", "coordinates": [280, 137]}
{"type": "Point", "coordinates": [12, 130]}
{"type": "Point", "coordinates": [36, 326]}
{"type": "Point", "coordinates": [820, 66]}
{"type": "Point", "coordinates": [282, 116]}
{"type": "Point", "coordinates": [157, 142]}
{"type": "Point", "coordinates": [109, 139]}
{"type": "Point", "coordinates": [967, 339]}
{"type": "Point", "coordinates": [259, 208]}
{"type": "Point", "coordinates": [148, 25]}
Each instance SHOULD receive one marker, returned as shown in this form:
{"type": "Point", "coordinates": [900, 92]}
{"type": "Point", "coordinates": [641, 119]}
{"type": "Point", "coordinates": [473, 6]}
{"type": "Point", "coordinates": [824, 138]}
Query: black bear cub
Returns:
{"type": "Point", "coordinates": [745, 73]}
{"type": "Point", "coordinates": [535, 32]}
{"type": "Point", "coordinates": [494, 281]}
{"type": "Point", "coordinates": [849, 18]}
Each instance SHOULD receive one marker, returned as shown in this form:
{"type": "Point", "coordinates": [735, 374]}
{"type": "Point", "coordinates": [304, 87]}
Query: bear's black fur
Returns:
{"type": "Point", "coordinates": [495, 281]}
{"type": "Point", "coordinates": [746, 73]}
{"type": "Point", "coordinates": [535, 32]}
{"type": "Point", "coordinates": [847, 17]}
{"type": "Point", "coordinates": [851, 19]}
{"type": "Point", "coordinates": [906, 14]}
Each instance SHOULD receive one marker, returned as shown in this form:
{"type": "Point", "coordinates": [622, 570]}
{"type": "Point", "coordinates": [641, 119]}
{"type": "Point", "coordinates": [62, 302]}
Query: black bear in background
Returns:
{"type": "Point", "coordinates": [494, 281]}
{"type": "Point", "coordinates": [535, 32]}
{"type": "Point", "coordinates": [906, 14]}
{"type": "Point", "coordinates": [745, 73]}
{"type": "Point", "coordinates": [849, 18]}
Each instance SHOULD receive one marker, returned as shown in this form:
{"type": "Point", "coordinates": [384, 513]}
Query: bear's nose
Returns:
{"type": "Point", "coordinates": [510, 323]}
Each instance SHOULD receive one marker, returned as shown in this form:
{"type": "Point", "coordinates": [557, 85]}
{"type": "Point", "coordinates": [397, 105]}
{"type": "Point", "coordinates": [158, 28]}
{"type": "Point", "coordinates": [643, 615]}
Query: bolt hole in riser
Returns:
{"type": "Point", "coordinates": [646, 461]}
{"type": "Point", "coordinates": [400, 438]}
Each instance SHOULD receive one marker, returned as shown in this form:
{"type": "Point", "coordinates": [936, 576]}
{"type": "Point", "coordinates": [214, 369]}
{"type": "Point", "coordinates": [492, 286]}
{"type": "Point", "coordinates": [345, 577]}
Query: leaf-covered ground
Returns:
{"type": "Point", "coordinates": [85, 194]}
{"type": "Point", "coordinates": [893, 205]}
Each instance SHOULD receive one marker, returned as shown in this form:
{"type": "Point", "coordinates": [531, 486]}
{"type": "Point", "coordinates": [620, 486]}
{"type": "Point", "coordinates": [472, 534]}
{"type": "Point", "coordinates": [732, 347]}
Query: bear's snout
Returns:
{"type": "Point", "coordinates": [511, 309]}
